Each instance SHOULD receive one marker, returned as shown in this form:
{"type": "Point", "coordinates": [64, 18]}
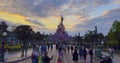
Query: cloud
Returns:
{"type": "Point", "coordinates": [35, 22]}
{"type": "Point", "coordinates": [14, 18]}
{"type": "Point", "coordinates": [117, 2]}
{"type": "Point", "coordinates": [45, 8]}
{"type": "Point", "coordinates": [112, 13]}
{"type": "Point", "coordinates": [104, 22]}
{"type": "Point", "coordinates": [76, 10]}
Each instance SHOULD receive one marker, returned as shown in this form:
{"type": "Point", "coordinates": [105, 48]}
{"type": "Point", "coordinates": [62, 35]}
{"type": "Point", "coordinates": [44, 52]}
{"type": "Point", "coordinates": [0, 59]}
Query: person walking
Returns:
{"type": "Point", "coordinates": [48, 46]}
{"type": "Point", "coordinates": [33, 45]}
{"type": "Point", "coordinates": [2, 52]}
{"type": "Point", "coordinates": [111, 52]}
{"type": "Point", "coordinates": [64, 48]}
{"type": "Point", "coordinates": [40, 51]}
{"type": "Point", "coordinates": [40, 58]}
{"type": "Point", "coordinates": [81, 53]}
{"type": "Point", "coordinates": [91, 55]}
{"type": "Point", "coordinates": [60, 50]}
{"type": "Point", "coordinates": [68, 48]}
{"type": "Point", "coordinates": [43, 49]}
{"type": "Point", "coordinates": [84, 53]}
{"type": "Point", "coordinates": [46, 59]}
{"type": "Point", "coordinates": [34, 56]}
{"type": "Point", "coordinates": [75, 56]}
{"type": "Point", "coordinates": [57, 46]}
{"type": "Point", "coordinates": [71, 48]}
{"type": "Point", "coordinates": [51, 45]}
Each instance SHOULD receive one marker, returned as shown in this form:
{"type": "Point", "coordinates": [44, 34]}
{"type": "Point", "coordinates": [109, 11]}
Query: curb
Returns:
{"type": "Point", "coordinates": [16, 61]}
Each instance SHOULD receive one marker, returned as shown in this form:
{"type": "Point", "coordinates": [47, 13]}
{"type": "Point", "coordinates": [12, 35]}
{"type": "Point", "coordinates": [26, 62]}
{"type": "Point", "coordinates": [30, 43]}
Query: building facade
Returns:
{"type": "Point", "coordinates": [10, 38]}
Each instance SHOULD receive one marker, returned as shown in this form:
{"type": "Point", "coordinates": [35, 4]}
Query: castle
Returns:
{"type": "Point", "coordinates": [60, 35]}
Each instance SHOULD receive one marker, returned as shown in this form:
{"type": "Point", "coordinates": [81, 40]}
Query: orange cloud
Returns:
{"type": "Point", "coordinates": [105, 12]}
{"type": "Point", "coordinates": [50, 22]}
{"type": "Point", "coordinates": [14, 18]}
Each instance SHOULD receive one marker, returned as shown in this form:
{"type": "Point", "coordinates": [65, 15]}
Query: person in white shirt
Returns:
{"type": "Point", "coordinates": [34, 56]}
{"type": "Point", "coordinates": [111, 52]}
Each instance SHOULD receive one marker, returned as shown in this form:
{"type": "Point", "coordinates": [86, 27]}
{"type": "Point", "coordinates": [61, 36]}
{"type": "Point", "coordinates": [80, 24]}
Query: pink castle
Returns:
{"type": "Point", "coordinates": [60, 35]}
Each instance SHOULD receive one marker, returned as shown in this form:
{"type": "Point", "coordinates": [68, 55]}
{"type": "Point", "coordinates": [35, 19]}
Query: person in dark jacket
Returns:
{"type": "Point", "coordinates": [81, 53]}
{"type": "Point", "coordinates": [72, 48]}
{"type": "Point", "coordinates": [84, 53]}
{"type": "Point", "coordinates": [91, 55]}
{"type": "Point", "coordinates": [46, 59]}
{"type": "Point", "coordinates": [2, 52]}
{"type": "Point", "coordinates": [75, 56]}
{"type": "Point", "coordinates": [68, 48]}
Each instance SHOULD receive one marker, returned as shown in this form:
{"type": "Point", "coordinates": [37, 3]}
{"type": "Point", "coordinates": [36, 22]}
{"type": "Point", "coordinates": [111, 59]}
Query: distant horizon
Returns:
{"type": "Point", "coordinates": [44, 15]}
{"type": "Point", "coordinates": [82, 34]}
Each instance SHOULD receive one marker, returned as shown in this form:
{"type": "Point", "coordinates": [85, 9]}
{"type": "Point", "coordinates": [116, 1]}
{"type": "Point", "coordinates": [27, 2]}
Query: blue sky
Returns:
{"type": "Point", "coordinates": [44, 15]}
{"type": "Point", "coordinates": [99, 10]}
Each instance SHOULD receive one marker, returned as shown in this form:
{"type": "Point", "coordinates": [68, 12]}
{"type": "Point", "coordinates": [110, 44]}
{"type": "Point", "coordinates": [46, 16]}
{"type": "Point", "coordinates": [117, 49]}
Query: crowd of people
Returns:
{"type": "Point", "coordinates": [40, 55]}
{"type": "Point", "coordinates": [82, 53]}
{"type": "Point", "coordinates": [79, 52]}
{"type": "Point", "coordinates": [40, 52]}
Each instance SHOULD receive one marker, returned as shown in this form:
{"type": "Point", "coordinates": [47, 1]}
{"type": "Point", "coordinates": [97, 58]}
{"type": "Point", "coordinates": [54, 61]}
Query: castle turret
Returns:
{"type": "Point", "coordinates": [60, 35]}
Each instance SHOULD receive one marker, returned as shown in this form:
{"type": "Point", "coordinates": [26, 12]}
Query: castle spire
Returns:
{"type": "Point", "coordinates": [60, 35]}
{"type": "Point", "coordinates": [62, 20]}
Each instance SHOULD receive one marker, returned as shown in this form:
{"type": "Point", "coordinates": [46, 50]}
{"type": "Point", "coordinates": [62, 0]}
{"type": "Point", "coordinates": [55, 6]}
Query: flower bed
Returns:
{"type": "Point", "coordinates": [15, 48]}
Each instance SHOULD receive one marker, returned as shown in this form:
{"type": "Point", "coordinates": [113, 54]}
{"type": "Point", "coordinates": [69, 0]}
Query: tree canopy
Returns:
{"type": "Point", "coordinates": [113, 34]}
{"type": "Point", "coordinates": [23, 31]}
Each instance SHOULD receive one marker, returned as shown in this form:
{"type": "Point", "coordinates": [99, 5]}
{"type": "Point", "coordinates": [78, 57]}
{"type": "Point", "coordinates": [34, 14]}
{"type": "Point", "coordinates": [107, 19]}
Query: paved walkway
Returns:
{"type": "Point", "coordinates": [67, 57]}
{"type": "Point", "coordinates": [50, 53]}
{"type": "Point", "coordinates": [16, 56]}
{"type": "Point", "coordinates": [116, 58]}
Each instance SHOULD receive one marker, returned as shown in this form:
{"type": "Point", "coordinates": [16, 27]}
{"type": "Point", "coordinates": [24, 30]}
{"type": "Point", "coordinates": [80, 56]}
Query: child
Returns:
{"type": "Point", "coordinates": [40, 58]}
{"type": "Point", "coordinates": [59, 60]}
{"type": "Point", "coordinates": [61, 54]}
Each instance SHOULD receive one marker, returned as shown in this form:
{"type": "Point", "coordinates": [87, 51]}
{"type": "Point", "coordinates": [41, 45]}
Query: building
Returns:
{"type": "Point", "coordinates": [60, 36]}
{"type": "Point", "coordinates": [11, 38]}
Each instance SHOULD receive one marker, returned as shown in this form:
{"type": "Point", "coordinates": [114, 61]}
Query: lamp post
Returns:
{"type": "Point", "coordinates": [102, 43]}
{"type": "Point", "coordinates": [4, 35]}
{"type": "Point", "coordinates": [3, 47]}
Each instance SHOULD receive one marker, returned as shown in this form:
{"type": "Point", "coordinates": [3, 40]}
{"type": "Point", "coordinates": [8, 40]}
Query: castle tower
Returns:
{"type": "Point", "coordinates": [60, 35]}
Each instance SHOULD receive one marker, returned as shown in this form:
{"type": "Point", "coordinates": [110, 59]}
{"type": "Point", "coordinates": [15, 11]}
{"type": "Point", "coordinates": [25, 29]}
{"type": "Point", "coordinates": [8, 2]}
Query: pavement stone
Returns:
{"type": "Point", "coordinates": [67, 57]}
{"type": "Point", "coordinates": [16, 56]}
{"type": "Point", "coordinates": [50, 53]}
{"type": "Point", "coordinates": [116, 58]}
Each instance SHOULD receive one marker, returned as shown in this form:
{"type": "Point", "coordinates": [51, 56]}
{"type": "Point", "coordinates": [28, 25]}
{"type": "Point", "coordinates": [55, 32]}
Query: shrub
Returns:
{"type": "Point", "coordinates": [15, 47]}
{"type": "Point", "coordinates": [112, 43]}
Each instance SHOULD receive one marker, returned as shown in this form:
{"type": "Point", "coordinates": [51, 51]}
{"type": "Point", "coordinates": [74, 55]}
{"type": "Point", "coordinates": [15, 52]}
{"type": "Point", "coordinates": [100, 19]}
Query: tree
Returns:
{"type": "Point", "coordinates": [89, 38]}
{"type": "Point", "coordinates": [3, 27]}
{"type": "Point", "coordinates": [24, 33]}
{"type": "Point", "coordinates": [77, 38]}
{"type": "Point", "coordinates": [39, 37]}
{"type": "Point", "coordinates": [100, 37]}
{"type": "Point", "coordinates": [113, 35]}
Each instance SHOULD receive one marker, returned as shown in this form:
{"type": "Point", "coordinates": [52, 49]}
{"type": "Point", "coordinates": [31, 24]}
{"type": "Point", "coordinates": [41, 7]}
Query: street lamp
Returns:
{"type": "Point", "coordinates": [4, 34]}
{"type": "Point", "coordinates": [102, 43]}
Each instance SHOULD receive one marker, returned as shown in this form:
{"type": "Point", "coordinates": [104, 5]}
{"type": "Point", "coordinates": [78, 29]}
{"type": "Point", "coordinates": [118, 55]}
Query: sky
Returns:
{"type": "Point", "coordinates": [44, 15]}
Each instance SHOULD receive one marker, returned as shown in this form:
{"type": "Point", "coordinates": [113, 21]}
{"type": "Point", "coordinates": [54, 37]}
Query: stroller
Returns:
{"type": "Point", "coordinates": [106, 59]}
{"type": "Point", "coordinates": [59, 60]}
